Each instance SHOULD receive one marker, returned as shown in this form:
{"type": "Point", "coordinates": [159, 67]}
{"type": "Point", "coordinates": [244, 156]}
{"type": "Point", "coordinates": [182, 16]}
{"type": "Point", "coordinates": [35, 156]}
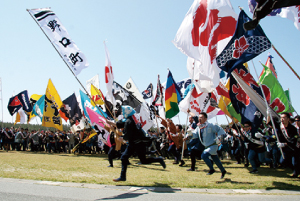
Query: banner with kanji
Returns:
{"type": "Point", "coordinates": [60, 38]}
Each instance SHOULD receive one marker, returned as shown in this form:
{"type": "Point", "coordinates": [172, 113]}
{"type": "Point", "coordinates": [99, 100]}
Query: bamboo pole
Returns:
{"type": "Point", "coordinates": [66, 64]}
{"type": "Point", "coordinates": [267, 105]}
{"type": "Point", "coordinates": [285, 62]}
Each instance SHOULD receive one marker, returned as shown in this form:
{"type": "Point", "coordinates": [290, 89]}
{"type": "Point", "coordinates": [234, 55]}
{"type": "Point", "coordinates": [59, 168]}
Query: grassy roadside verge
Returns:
{"type": "Point", "coordinates": [93, 169]}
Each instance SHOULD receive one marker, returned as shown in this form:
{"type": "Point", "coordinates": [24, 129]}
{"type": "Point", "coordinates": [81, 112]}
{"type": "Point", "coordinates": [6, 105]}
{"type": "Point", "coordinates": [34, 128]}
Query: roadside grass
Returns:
{"type": "Point", "coordinates": [93, 168]}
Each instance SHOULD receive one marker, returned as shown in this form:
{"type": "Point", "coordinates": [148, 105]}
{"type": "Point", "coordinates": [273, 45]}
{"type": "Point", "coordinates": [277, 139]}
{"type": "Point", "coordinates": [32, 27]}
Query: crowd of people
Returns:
{"type": "Point", "coordinates": [20, 139]}
{"type": "Point", "coordinates": [276, 144]}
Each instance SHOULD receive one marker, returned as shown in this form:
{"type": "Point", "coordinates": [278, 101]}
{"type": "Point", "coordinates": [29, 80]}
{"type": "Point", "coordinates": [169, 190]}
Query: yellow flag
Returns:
{"type": "Point", "coordinates": [97, 96]}
{"type": "Point", "coordinates": [89, 137]}
{"type": "Point", "coordinates": [18, 118]}
{"type": "Point", "coordinates": [51, 116]}
{"type": "Point", "coordinates": [224, 102]}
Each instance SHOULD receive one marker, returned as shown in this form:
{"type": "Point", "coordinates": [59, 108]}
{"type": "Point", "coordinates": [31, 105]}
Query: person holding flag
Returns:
{"type": "Point", "coordinates": [135, 136]}
{"type": "Point", "coordinates": [256, 146]}
{"type": "Point", "coordinates": [288, 140]}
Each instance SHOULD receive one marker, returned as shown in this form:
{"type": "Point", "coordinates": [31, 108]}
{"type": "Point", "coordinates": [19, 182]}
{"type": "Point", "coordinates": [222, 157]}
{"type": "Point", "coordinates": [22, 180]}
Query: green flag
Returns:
{"type": "Point", "coordinates": [274, 92]}
{"type": "Point", "coordinates": [233, 113]}
{"type": "Point", "coordinates": [287, 93]}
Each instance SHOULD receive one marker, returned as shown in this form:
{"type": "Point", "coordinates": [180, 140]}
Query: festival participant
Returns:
{"type": "Point", "coordinates": [164, 144]}
{"type": "Point", "coordinates": [51, 144]}
{"type": "Point", "coordinates": [209, 134]}
{"type": "Point", "coordinates": [289, 142]}
{"type": "Point", "coordinates": [34, 137]}
{"type": "Point", "coordinates": [238, 144]}
{"type": "Point", "coordinates": [256, 147]}
{"type": "Point", "coordinates": [71, 140]}
{"type": "Point", "coordinates": [196, 147]}
{"type": "Point", "coordinates": [113, 137]}
{"type": "Point", "coordinates": [25, 139]}
{"type": "Point", "coordinates": [297, 123]}
{"type": "Point", "coordinates": [273, 148]}
{"type": "Point", "coordinates": [18, 138]}
{"type": "Point", "coordinates": [7, 136]}
{"type": "Point", "coordinates": [134, 134]}
{"type": "Point", "coordinates": [12, 140]}
{"type": "Point", "coordinates": [175, 137]}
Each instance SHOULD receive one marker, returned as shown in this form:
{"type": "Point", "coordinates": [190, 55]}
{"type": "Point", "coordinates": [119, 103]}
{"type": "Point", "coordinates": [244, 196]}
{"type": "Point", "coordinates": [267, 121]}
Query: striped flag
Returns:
{"type": "Point", "coordinates": [172, 97]}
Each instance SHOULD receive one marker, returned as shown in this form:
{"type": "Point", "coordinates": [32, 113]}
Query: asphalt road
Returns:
{"type": "Point", "coordinates": [17, 189]}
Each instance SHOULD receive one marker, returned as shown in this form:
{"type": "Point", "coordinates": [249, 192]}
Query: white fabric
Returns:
{"type": "Point", "coordinates": [198, 102]}
{"type": "Point", "coordinates": [109, 77]}
{"type": "Point", "coordinates": [130, 86]}
{"type": "Point", "coordinates": [59, 36]}
{"type": "Point", "coordinates": [94, 81]}
{"type": "Point", "coordinates": [208, 46]}
{"type": "Point", "coordinates": [144, 117]}
{"type": "Point", "coordinates": [206, 76]}
{"type": "Point", "coordinates": [183, 39]}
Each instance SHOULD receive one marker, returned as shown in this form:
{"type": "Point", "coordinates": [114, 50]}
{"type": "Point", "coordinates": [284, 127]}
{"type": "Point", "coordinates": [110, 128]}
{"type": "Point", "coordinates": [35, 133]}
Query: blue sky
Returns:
{"type": "Point", "coordinates": [138, 35]}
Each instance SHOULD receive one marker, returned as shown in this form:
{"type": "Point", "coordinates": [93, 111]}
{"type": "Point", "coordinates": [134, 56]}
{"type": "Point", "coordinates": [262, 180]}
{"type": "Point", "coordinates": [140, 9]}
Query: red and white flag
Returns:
{"type": "Point", "coordinates": [205, 31]}
{"type": "Point", "coordinates": [200, 102]}
{"type": "Point", "coordinates": [109, 77]}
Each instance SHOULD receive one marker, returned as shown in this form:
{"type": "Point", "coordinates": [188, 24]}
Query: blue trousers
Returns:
{"type": "Point", "coordinates": [261, 158]}
{"type": "Point", "coordinates": [205, 157]}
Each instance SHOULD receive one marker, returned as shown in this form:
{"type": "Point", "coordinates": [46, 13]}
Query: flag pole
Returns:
{"type": "Point", "coordinates": [231, 117]}
{"type": "Point", "coordinates": [268, 115]}
{"type": "Point", "coordinates": [65, 62]}
{"type": "Point", "coordinates": [285, 62]}
{"type": "Point", "coordinates": [187, 116]}
{"type": "Point", "coordinates": [103, 101]}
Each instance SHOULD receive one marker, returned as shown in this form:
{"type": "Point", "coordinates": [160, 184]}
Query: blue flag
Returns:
{"type": "Point", "coordinates": [241, 102]}
{"type": "Point", "coordinates": [86, 102]}
{"type": "Point", "coordinates": [183, 85]}
{"type": "Point", "coordinates": [243, 46]}
{"type": "Point", "coordinates": [148, 93]}
{"type": "Point", "coordinates": [38, 107]}
{"type": "Point", "coordinates": [19, 101]}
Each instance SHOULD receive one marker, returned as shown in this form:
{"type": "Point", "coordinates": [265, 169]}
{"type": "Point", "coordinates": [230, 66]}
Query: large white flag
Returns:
{"type": "Point", "coordinates": [60, 38]}
{"type": "Point", "coordinates": [109, 77]}
{"type": "Point", "coordinates": [200, 102]}
{"type": "Point", "coordinates": [206, 76]}
{"type": "Point", "coordinates": [205, 31]}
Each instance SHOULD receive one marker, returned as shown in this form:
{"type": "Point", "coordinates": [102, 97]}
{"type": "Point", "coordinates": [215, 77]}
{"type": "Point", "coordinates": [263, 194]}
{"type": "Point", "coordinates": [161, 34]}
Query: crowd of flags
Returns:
{"type": "Point", "coordinates": [215, 42]}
